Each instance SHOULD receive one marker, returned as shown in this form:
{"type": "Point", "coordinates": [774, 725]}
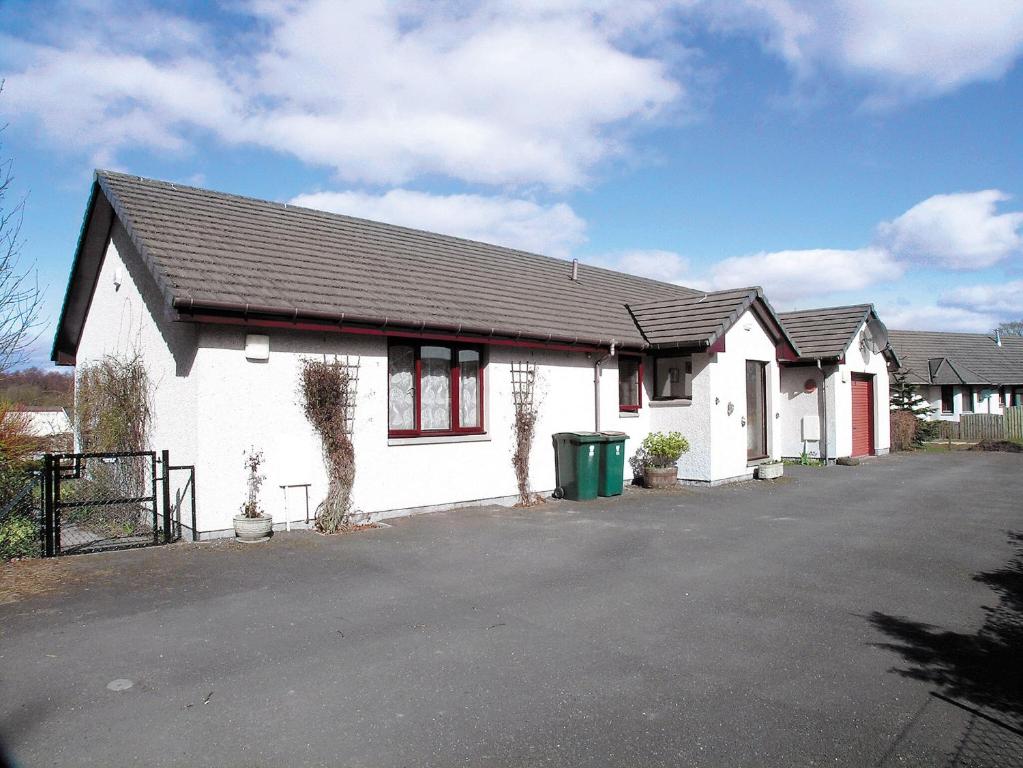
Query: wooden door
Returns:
{"type": "Point", "coordinates": [756, 410]}
{"type": "Point", "coordinates": [862, 414]}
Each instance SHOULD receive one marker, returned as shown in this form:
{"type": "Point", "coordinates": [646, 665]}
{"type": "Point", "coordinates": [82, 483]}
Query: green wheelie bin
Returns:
{"type": "Point", "coordinates": [577, 465]}
{"type": "Point", "coordinates": [612, 463]}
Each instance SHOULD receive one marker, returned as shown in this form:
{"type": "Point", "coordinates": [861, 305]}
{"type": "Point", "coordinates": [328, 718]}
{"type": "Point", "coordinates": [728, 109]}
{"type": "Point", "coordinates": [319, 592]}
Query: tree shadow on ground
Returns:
{"type": "Point", "coordinates": [984, 668]}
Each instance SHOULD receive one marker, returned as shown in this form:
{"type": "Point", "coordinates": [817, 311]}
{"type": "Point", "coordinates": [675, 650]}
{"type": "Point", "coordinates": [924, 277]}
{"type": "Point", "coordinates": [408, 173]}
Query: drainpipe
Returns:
{"type": "Point", "coordinates": [596, 386]}
{"type": "Point", "coordinates": [824, 431]}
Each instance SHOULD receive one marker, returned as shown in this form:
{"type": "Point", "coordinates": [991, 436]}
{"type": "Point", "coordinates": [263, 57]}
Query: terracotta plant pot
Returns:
{"type": "Point", "coordinates": [660, 477]}
{"type": "Point", "coordinates": [250, 529]}
{"type": "Point", "coordinates": [770, 471]}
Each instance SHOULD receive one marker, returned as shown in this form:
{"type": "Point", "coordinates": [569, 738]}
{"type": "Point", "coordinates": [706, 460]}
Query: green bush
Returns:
{"type": "Point", "coordinates": [19, 537]}
{"type": "Point", "coordinates": [663, 450]}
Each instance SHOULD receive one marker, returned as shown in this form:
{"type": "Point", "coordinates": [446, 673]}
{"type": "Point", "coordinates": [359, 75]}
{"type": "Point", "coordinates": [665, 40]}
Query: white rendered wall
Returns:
{"type": "Point", "coordinates": [243, 404]}
{"type": "Point", "coordinates": [691, 418]}
{"type": "Point", "coordinates": [128, 318]}
{"type": "Point", "coordinates": [989, 404]}
{"type": "Point", "coordinates": [859, 361]}
{"type": "Point", "coordinates": [746, 340]}
{"type": "Point", "coordinates": [797, 403]}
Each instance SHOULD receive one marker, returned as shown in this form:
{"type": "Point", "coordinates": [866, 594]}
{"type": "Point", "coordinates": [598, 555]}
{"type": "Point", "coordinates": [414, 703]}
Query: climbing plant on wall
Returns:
{"type": "Point", "coordinates": [113, 408]}
{"type": "Point", "coordinates": [524, 377]}
{"type": "Point", "coordinates": [328, 391]}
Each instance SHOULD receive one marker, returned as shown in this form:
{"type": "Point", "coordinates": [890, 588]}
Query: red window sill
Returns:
{"type": "Point", "coordinates": [628, 408]}
{"type": "Point", "coordinates": [436, 433]}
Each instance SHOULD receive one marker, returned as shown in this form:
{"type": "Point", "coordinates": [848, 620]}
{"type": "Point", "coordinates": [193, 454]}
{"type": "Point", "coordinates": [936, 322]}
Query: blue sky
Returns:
{"type": "Point", "coordinates": [834, 152]}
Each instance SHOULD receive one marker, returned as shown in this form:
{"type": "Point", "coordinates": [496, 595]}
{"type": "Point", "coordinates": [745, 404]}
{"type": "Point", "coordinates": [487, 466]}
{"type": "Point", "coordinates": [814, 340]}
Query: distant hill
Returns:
{"type": "Point", "coordinates": [34, 386]}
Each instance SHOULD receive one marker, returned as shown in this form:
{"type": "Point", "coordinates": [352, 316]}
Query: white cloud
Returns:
{"type": "Point", "coordinates": [898, 48]}
{"type": "Point", "coordinates": [382, 92]}
{"type": "Point", "coordinates": [931, 317]}
{"type": "Point", "coordinates": [552, 230]}
{"type": "Point", "coordinates": [656, 264]}
{"type": "Point", "coordinates": [807, 277]}
{"type": "Point", "coordinates": [1002, 299]}
{"type": "Point", "coordinates": [956, 231]}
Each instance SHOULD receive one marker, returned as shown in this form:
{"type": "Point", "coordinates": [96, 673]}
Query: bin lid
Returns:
{"type": "Point", "coordinates": [614, 436]}
{"type": "Point", "coordinates": [585, 437]}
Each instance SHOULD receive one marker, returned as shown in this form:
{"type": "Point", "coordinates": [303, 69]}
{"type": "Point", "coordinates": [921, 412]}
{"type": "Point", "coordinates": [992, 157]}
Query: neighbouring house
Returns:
{"type": "Point", "coordinates": [835, 400]}
{"type": "Point", "coordinates": [51, 423]}
{"type": "Point", "coordinates": [960, 373]}
{"type": "Point", "coordinates": [224, 297]}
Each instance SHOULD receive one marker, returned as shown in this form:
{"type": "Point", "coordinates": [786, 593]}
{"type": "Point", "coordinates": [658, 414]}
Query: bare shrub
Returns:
{"type": "Point", "coordinates": [524, 428]}
{"type": "Point", "coordinates": [328, 398]}
{"type": "Point", "coordinates": [254, 481]}
{"type": "Point", "coordinates": [113, 413]}
{"type": "Point", "coordinates": [904, 430]}
{"type": "Point", "coordinates": [17, 440]}
{"type": "Point", "coordinates": [113, 409]}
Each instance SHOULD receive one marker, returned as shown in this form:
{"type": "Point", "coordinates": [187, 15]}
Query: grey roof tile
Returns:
{"type": "Point", "coordinates": [825, 332]}
{"type": "Point", "coordinates": [208, 248]}
{"type": "Point", "coordinates": [974, 358]}
{"type": "Point", "coordinates": [697, 321]}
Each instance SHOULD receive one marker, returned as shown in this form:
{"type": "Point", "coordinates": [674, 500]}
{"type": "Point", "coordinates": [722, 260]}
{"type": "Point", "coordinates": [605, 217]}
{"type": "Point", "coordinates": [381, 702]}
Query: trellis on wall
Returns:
{"type": "Point", "coordinates": [329, 391]}
{"type": "Point", "coordinates": [524, 376]}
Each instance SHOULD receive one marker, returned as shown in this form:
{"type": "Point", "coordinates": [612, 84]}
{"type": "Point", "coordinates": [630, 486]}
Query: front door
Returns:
{"type": "Point", "coordinates": [756, 410]}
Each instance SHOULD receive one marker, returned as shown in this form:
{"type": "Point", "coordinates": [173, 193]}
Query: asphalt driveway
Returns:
{"type": "Point", "coordinates": [798, 623]}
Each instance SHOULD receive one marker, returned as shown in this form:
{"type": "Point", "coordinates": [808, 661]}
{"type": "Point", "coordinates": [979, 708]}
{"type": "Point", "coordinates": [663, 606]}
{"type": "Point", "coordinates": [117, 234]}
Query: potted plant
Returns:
{"type": "Point", "coordinates": [661, 455]}
{"type": "Point", "coordinates": [770, 470]}
{"type": "Point", "coordinates": [252, 524]}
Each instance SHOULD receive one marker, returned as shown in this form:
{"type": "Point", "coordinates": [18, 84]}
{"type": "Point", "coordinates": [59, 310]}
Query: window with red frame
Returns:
{"type": "Point", "coordinates": [630, 383]}
{"type": "Point", "coordinates": [434, 389]}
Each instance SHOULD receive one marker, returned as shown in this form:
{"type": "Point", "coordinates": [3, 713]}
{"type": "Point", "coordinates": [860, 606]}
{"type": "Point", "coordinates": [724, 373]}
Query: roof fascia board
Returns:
{"type": "Point", "coordinates": [93, 238]}
{"type": "Point", "coordinates": [395, 332]}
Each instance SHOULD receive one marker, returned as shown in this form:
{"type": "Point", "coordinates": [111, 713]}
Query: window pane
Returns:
{"type": "Point", "coordinates": [674, 378]}
{"type": "Point", "coordinates": [435, 387]}
{"type": "Point", "coordinates": [401, 366]}
{"type": "Point", "coordinates": [967, 399]}
{"type": "Point", "coordinates": [628, 381]}
{"type": "Point", "coordinates": [946, 399]}
{"type": "Point", "coordinates": [469, 388]}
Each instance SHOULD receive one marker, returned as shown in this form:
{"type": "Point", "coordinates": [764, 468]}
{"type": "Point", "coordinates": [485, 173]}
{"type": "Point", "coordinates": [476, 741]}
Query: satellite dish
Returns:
{"type": "Point", "coordinates": [875, 337]}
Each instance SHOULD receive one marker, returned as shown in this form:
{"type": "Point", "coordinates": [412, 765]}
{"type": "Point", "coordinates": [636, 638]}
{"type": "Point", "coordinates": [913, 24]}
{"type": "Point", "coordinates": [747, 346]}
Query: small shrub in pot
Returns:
{"type": "Point", "coordinates": [253, 524]}
{"type": "Point", "coordinates": [661, 454]}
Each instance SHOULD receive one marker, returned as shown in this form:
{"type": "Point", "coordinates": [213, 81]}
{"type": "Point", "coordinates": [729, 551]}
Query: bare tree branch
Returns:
{"type": "Point", "coordinates": [20, 297]}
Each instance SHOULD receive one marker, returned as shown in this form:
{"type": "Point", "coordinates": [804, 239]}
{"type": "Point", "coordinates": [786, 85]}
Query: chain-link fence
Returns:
{"type": "Point", "coordinates": [104, 501]}
{"type": "Point", "coordinates": [21, 526]}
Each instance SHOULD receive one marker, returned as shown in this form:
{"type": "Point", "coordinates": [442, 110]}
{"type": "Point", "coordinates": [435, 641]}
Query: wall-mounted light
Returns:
{"type": "Point", "coordinates": [257, 347]}
{"type": "Point", "coordinates": [117, 279]}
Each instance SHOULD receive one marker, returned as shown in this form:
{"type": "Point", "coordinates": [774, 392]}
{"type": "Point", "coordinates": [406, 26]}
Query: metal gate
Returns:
{"type": "Point", "coordinates": [94, 502]}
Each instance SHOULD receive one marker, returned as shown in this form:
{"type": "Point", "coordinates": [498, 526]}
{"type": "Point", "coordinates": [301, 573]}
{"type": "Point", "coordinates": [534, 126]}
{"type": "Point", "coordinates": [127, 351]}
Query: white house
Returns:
{"type": "Point", "coordinates": [224, 296]}
{"type": "Point", "coordinates": [834, 398]}
{"type": "Point", "coordinates": [959, 373]}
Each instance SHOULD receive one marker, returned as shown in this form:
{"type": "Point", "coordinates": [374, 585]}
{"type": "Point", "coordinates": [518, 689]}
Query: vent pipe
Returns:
{"type": "Point", "coordinates": [998, 337]}
{"type": "Point", "coordinates": [575, 270]}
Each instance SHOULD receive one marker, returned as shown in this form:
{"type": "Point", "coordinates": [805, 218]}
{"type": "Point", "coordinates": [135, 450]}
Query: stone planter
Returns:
{"type": "Point", "coordinates": [770, 471]}
{"type": "Point", "coordinates": [660, 477]}
{"type": "Point", "coordinates": [250, 529]}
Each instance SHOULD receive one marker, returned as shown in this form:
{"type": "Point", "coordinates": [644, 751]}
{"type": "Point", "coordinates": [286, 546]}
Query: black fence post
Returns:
{"type": "Point", "coordinates": [195, 531]}
{"type": "Point", "coordinates": [48, 505]}
{"type": "Point", "coordinates": [56, 465]}
{"type": "Point", "coordinates": [165, 455]}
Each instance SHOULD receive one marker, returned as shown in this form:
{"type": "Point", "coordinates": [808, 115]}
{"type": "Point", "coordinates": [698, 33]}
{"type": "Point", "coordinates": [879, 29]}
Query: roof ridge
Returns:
{"type": "Point", "coordinates": [317, 212]}
{"type": "Point", "coordinates": [865, 305]}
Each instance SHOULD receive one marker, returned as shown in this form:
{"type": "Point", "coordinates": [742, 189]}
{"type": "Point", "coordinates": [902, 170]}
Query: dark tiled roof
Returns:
{"type": "Point", "coordinates": [931, 357]}
{"type": "Point", "coordinates": [698, 321]}
{"type": "Point", "coordinates": [210, 250]}
{"type": "Point", "coordinates": [826, 332]}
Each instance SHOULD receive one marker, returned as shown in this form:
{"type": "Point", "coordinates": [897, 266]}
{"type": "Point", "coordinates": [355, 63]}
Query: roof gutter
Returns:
{"type": "Point", "coordinates": [285, 317]}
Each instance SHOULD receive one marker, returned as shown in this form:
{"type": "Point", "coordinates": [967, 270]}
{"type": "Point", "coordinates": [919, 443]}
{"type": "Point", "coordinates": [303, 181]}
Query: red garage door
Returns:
{"type": "Point", "coordinates": [862, 414]}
